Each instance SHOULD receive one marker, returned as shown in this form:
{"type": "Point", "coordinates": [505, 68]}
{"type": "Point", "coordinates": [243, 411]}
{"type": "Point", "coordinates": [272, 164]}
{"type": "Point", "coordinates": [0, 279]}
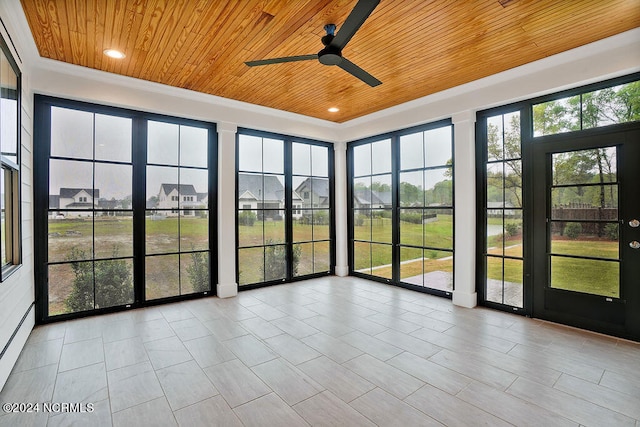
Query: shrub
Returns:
{"type": "Point", "coordinates": [198, 272]}
{"type": "Point", "coordinates": [573, 229]}
{"type": "Point", "coordinates": [512, 228]}
{"type": "Point", "coordinates": [113, 282]}
{"type": "Point", "coordinates": [358, 220]}
{"type": "Point", "coordinates": [611, 231]}
{"type": "Point", "coordinates": [414, 218]}
{"type": "Point", "coordinates": [275, 264]}
{"type": "Point", "coordinates": [320, 218]}
{"type": "Point", "coordinates": [247, 218]}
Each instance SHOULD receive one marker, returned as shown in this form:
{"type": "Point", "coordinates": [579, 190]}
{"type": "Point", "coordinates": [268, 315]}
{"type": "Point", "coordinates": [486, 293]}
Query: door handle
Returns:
{"type": "Point", "coordinates": [634, 245]}
{"type": "Point", "coordinates": [634, 223]}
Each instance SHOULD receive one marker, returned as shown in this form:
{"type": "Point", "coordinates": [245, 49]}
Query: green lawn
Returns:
{"type": "Point", "coordinates": [313, 257]}
{"type": "Point", "coordinates": [587, 276]}
{"type": "Point", "coordinates": [161, 276]}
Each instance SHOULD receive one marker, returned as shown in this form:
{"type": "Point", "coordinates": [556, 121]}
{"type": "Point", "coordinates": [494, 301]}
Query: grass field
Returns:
{"type": "Point", "coordinates": [165, 275]}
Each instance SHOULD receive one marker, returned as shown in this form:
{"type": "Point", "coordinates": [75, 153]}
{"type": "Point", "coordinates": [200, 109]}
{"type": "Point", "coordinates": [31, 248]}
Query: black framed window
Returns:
{"type": "Point", "coordinates": [503, 258]}
{"type": "Point", "coordinates": [124, 200]}
{"type": "Point", "coordinates": [285, 208]}
{"type": "Point", "coordinates": [505, 138]}
{"type": "Point", "coordinates": [401, 199]}
{"type": "Point", "coordinates": [10, 228]}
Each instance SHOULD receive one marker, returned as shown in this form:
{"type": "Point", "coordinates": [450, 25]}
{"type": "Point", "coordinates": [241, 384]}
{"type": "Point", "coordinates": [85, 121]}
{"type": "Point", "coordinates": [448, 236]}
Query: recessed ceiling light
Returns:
{"type": "Point", "coordinates": [334, 109]}
{"type": "Point", "coordinates": [112, 53]}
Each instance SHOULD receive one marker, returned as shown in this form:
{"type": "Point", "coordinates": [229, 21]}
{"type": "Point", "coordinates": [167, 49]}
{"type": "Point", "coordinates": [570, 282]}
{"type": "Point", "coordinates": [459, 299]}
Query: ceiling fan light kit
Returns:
{"type": "Point", "coordinates": [331, 54]}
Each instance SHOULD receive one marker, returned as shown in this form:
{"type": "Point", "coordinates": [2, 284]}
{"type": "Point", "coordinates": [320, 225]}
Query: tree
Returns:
{"type": "Point", "coordinates": [98, 284]}
{"type": "Point", "coordinates": [198, 272]}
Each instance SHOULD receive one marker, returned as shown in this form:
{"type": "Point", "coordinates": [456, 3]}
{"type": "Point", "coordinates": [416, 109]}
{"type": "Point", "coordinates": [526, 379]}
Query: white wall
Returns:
{"type": "Point", "coordinates": [608, 58]}
{"type": "Point", "coordinates": [17, 292]}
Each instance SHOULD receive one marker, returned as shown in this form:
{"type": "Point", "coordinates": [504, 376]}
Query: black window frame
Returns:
{"type": "Point", "coordinates": [395, 136]}
{"type": "Point", "coordinates": [12, 170]}
{"type": "Point", "coordinates": [42, 154]}
{"type": "Point", "coordinates": [525, 107]}
{"type": "Point", "coordinates": [289, 209]}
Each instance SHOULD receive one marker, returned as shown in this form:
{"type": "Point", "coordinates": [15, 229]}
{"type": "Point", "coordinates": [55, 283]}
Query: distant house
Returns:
{"type": "Point", "coordinates": [71, 199]}
{"type": "Point", "coordinates": [175, 197]}
{"type": "Point", "coordinates": [265, 192]}
{"type": "Point", "coordinates": [314, 193]}
{"type": "Point", "coordinates": [364, 198]}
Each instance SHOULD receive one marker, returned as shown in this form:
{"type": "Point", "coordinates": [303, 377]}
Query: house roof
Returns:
{"type": "Point", "coordinates": [365, 196]}
{"type": "Point", "coordinates": [319, 186]}
{"type": "Point", "coordinates": [271, 189]}
{"type": "Point", "coordinates": [184, 189]}
{"type": "Point", "coordinates": [70, 193]}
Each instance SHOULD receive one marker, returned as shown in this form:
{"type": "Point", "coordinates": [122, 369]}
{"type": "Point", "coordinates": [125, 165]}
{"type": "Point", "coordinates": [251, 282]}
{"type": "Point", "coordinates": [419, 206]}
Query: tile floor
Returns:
{"type": "Point", "coordinates": [330, 351]}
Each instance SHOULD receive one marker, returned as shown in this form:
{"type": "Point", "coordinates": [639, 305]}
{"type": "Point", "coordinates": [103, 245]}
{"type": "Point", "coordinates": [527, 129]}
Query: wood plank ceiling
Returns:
{"type": "Point", "coordinates": [415, 47]}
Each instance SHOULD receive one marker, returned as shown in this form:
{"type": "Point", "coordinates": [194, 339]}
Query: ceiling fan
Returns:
{"type": "Point", "coordinates": [331, 54]}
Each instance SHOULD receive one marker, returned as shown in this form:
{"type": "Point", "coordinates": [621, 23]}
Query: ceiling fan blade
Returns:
{"type": "Point", "coordinates": [354, 21]}
{"type": "Point", "coordinates": [281, 60]}
{"type": "Point", "coordinates": [358, 72]}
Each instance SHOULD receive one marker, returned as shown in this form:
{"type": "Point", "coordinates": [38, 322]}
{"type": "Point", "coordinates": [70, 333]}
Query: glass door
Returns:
{"type": "Point", "coordinates": [585, 261]}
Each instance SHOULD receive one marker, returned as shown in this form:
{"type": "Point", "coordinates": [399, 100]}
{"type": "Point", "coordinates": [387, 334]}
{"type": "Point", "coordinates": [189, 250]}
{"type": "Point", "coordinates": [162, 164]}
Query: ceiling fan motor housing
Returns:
{"type": "Point", "coordinates": [330, 56]}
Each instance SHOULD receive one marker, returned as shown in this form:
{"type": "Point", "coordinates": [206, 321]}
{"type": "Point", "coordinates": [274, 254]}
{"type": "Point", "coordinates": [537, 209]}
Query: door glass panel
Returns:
{"type": "Point", "coordinates": [595, 202]}
{"type": "Point", "coordinates": [194, 230]}
{"type": "Point", "coordinates": [597, 165]}
{"type": "Point", "coordinates": [589, 239]}
{"type": "Point", "coordinates": [70, 236]}
{"type": "Point", "coordinates": [586, 276]}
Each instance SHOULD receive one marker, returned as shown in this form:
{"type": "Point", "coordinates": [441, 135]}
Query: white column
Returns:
{"type": "Point", "coordinates": [227, 286]}
{"type": "Point", "coordinates": [340, 180]}
{"type": "Point", "coordinates": [464, 293]}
